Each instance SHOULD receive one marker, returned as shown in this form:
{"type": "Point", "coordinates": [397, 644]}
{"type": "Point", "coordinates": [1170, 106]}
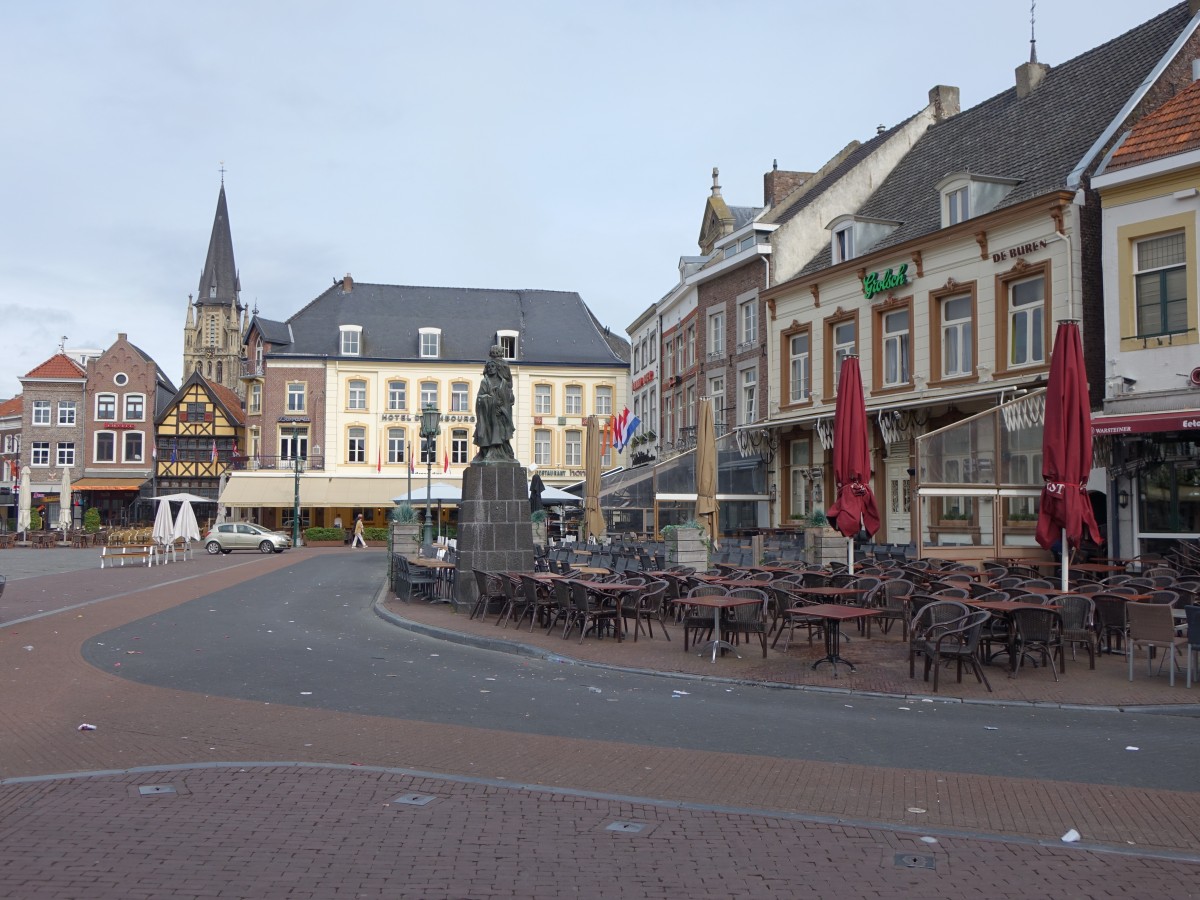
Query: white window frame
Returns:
{"type": "Point", "coordinates": [748, 395]}
{"type": "Point", "coordinates": [541, 446]}
{"type": "Point", "coordinates": [896, 370]}
{"type": "Point", "coordinates": [112, 441]}
{"type": "Point", "coordinates": [573, 448]}
{"type": "Point", "coordinates": [67, 413]}
{"type": "Point", "coordinates": [842, 347]}
{"type": "Point", "coordinates": [459, 447]}
{"type": "Point", "coordinates": [356, 394]}
{"type": "Point", "coordinates": [573, 400]}
{"type": "Point", "coordinates": [543, 400]}
{"type": "Point", "coordinates": [747, 314]}
{"type": "Point", "coordinates": [431, 343]}
{"type": "Point", "coordinates": [41, 412]}
{"type": "Point", "coordinates": [64, 452]}
{"type": "Point", "coordinates": [39, 454]}
{"type": "Point", "coordinates": [297, 396]}
{"type": "Point", "coordinates": [460, 396]}
{"type": "Point", "coordinates": [800, 367]}
{"type": "Point", "coordinates": [135, 407]}
{"type": "Point", "coordinates": [716, 335]}
{"type": "Point", "coordinates": [957, 337]}
{"type": "Point", "coordinates": [429, 394]}
{"type": "Point", "coordinates": [604, 400]}
{"type": "Point", "coordinates": [125, 440]}
{"type": "Point", "coordinates": [843, 243]}
{"type": "Point", "coordinates": [509, 342]}
{"type": "Point", "coordinates": [716, 392]}
{"type": "Point", "coordinates": [356, 444]}
{"type": "Point", "coordinates": [351, 340]}
{"type": "Point", "coordinates": [397, 394]}
{"type": "Point", "coordinates": [254, 400]}
{"type": "Point", "coordinates": [1030, 319]}
{"type": "Point", "coordinates": [397, 445]}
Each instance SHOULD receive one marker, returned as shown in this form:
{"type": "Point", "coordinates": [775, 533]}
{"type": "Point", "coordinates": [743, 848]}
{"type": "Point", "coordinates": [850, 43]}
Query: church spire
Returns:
{"type": "Point", "coordinates": [219, 280]}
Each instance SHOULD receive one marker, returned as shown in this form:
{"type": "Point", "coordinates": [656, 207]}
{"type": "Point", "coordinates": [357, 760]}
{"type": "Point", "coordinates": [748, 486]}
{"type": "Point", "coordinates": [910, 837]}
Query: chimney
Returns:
{"type": "Point", "coordinates": [944, 100]}
{"type": "Point", "coordinates": [347, 284]}
{"type": "Point", "coordinates": [122, 336]}
{"type": "Point", "coordinates": [778, 184]}
{"type": "Point", "coordinates": [1029, 76]}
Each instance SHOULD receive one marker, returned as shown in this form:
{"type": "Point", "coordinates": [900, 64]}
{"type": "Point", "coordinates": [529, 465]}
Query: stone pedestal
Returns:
{"type": "Point", "coordinates": [494, 530]}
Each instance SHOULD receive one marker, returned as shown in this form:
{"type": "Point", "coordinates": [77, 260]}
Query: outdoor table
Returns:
{"type": "Point", "coordinates": [439, 567]}
{"type": "Point", "coordinates": [1003, 609]}
{"type": "Point", "coordinates": [717, 603]}
{"type": "Point", "coordinates": [829, 594]}
{"type": "Point", "coordinates": [833, 615]}
{"type": "Point", "coordinates": [591, 570]}
{"type": "Point", "coordinates": [739, 583]}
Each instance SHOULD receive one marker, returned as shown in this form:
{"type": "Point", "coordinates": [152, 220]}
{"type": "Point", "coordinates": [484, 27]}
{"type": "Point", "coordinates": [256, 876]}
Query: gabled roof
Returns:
{"type": "Point", "coordinates": [58, 366]}
{"type": "Point", "coordinates": [159, 374]}
{"type": "Point", "coordinates": [218, 393]}
{"type": "Point", "coordinates": [554, 327]}
{"type": "Point", "coordinates": [1037, 140]}
{"type": "Point", "coordinates": [220, 271]}
{"type": "Point", "coordinates": [1172, 128]}
{"type": "Point", "coordinates": [12, 407]}
{"type": "Point", "coordinates": [273, 332]}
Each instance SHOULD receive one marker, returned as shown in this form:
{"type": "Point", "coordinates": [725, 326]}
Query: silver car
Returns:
{"type": "Point", "coordinates": [231, 536]}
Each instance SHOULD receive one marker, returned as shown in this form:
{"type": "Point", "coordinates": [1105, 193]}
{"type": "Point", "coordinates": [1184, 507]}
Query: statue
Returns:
{"type": "Point", "coordinates": [493, 412]}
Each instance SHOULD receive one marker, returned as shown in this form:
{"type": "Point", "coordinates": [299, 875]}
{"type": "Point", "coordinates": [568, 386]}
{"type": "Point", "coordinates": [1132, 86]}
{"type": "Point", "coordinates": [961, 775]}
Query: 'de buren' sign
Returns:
{"type": "Point", "coordinates": [876, 284]}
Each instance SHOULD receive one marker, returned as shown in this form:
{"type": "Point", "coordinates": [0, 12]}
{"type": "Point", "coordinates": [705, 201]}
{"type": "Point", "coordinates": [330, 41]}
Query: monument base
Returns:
{"type": "Point", "coordinates": [495, 532]}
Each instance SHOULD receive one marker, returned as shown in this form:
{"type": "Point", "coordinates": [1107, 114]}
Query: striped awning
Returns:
{"type": "Point", "coordinates": [101, 483]}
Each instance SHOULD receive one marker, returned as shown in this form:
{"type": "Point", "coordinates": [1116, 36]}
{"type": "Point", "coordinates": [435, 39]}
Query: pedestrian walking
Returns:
{"type": "Point", "coordinates": [359, 541]}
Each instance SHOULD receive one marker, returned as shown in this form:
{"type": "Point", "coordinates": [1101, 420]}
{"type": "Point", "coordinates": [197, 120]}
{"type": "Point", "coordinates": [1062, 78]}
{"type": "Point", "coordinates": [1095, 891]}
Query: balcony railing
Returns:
{"type": "Point", "coordinates": [264, 463]}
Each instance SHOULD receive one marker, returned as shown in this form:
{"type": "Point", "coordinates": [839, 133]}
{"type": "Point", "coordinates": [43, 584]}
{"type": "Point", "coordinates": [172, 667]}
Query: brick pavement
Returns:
{"type": "Point", "coordinates": [784, 835]}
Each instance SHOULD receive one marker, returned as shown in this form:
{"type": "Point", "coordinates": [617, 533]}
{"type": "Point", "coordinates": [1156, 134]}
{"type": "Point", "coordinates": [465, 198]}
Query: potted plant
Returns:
{"type": "Point", "coordinates": [538, 520]}
{"type": "Point", "coordinates": [406, 529]}
{"type": "Point", "coordinates": [822, 542]}
{"type": "Point", "coordinates": [91, 520]}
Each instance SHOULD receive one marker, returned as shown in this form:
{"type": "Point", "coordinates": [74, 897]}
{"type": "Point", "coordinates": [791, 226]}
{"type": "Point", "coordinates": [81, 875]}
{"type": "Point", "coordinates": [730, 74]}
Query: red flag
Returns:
{"type": "Point", "coordinates": [214, 450]}
{"type": "Point", "coordinates": [445, 462]}
{"type": "Point", "coordinates": [379, 455]}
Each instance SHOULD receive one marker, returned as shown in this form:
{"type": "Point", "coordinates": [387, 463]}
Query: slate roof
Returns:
{"type": "Point", "coordinates": [1172, 128]}
{"type": "Point", "coordinates": [555, 327]}
{"type": "Point", "coordinates": [1038, 139]}
{"type": "Point", "coordinates": [58, 366]}
{"type": "Point", "coordinates": [219, 267]}
{"type": "Point", "coordinates": [744, 215]}
{"type": "Point", "coordinates": [273, 332]}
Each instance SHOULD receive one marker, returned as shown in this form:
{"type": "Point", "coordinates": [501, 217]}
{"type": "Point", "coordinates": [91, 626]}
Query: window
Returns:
{"type": "Point", "coordinates": [106, 407]}
{"type": "Point", "coordinates": [254, 402]}
{"type": "Point", "coordinates": [356, 395]}
{"type": "Point", "coordinates": [690, 348]}
{"type": "Point", "coordinates": [351, 340]}
{"type": "Point", "coordinates": [66, 412]}
{"type": "Point", "coordinates": [356, 445]}
{"type": "Point", "coordinates": [106, 447]}
{"type": "Point", "coordinates": [135, 407]}
{"type": "Point", "coordinates": [604, 406]}
{"type": "Point", "coordinates": [748, 323]}
{"type": "Point", "coordinates": [507, 342]}
{"type": "Point", "coordinates": [397, 395]}
{"type": "Point", "coordinates": [133, 446]}
{"type": "Point", "coordinates": [843, 243]}
{"type": "Point", "coordinates": [541, 447]}
{"type": "Point", "coordinates": [799, 368]}
{"type": "Point", "coordinates": [458, 447]}
{"type": "Point", "coordinates": [574, 446]}
{"type": "Point", "coordinates": [41, 412]}
{"type": "Point", "coordinates": [843, 341]}
{"type": "Point", "coordinates": [716, 336]}
{"type": "Point", "coordinates": [39, 453]}
{"type": "Point", "coordinates": [679, 353]}
{"type": "Point", "coordinates": [120, 379]}
{"type": "Point", "coordinates": [894, 333]}
{"type": "Point", "coordinates": [431, 342]}
{"type": "Point", "coordinates": [749, 395]}
{"type": "Point", "coordinates": [957, 206]}
{"type": "Point", "coordinates": [66, 453]}
{"type": "Point", "coordinates": [293, 444]}
{"type": "Point", "coordinates": [690, 405]}
{"type": "Point", "coordinates": [459, 400]}
{"type": "Point", "coordinates": [669, 359]}
{"type": "Point", "coordinates": [1160, 280]}
{"type": "Point", "coordinates": [574, 400]}
{"type": "Point", "coordinates": [396, 445]}
{"type": "Point", "coordinates": [1026, 322]}
{"type": "Point", "coordinates": [541, 400]}
{"type": "Point", "coordinates": [799, 473]}
{"type": "Point", "coordinates": [637, 357]}
{"type": "Point", "coordinates": [653, 346]}
{"type": "Point", "coordinates": [716, 390]}
{"type": "Point", "coordinates": [429, 394]}
{"type": "Point", "coordinates": [295, 397]}
{"type": "Point", "coordinates": [958, 342]}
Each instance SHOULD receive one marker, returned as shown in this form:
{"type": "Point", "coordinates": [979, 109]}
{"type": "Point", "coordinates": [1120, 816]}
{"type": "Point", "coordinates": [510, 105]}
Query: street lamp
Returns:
{"type": "Point", "coordinates": [430, 420]}
{"type": "Point", "coordinates": [297, 468]}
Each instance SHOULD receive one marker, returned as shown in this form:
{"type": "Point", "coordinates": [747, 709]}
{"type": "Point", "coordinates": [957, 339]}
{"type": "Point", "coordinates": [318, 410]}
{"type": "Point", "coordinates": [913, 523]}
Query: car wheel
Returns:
{"type": "Point", "coordinates": [213, 547]}
{"type": "Point", "coordinates": [266, 547]}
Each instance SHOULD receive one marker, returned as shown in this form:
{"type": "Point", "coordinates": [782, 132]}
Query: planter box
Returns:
{"type": "Point", "coordinates": [824, 545]}
{"type": "Point", "coordinates": [687, 547]}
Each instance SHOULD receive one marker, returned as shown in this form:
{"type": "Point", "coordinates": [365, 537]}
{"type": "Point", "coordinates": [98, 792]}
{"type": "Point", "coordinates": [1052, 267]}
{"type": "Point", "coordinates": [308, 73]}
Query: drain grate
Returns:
{"type": "Point", "coordinates": [151, 790]}
{"type": "Point", "coordinates": [914, 861]}
{"type": "Point", "coordinates": [626, 827]}
{"type": "Point", "coordinates": [413, 799]}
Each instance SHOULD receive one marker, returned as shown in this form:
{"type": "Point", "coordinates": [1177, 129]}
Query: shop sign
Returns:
{"type": "Point", "coordinates": [1018, 251]}
{"type": "Point", "coordinates": [876, 284]}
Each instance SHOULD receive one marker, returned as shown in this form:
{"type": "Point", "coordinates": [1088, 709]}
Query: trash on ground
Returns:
{"type": "Point", "coordinates": [1070, 837]}
{"type": "Point", "coordinates": [86, 727]}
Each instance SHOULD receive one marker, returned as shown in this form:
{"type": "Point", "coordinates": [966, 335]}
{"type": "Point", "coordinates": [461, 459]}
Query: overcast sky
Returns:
{"type": "Point", "coordinates": [560, 145]}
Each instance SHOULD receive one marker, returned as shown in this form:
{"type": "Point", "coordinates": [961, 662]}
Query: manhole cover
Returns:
{"type": "Point", "coordinates": [626, 827]}
{"type": "Point", "coordinates": [413, 799]}
{"type": "Point", "coordinates": [914, 861]}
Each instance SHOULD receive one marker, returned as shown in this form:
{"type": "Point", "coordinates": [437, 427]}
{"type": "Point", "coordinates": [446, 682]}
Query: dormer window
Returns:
{"type": "Point", "coordinates": [351, 340]}
{"type": "Point", "coordinates": [967, 196]}
{"type": "Point", "coordinates": [852, 236]}
{"type": "Point", "coordinates": [507, 342]}
{"type": "Point", "coordinates": [431, 343]}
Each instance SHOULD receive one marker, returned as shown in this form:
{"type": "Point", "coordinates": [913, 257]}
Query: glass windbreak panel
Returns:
{"type": "Point", "coordinates": [738, 515]}
{"type": "Point", "coordinates": [959, 520]}
{"type": "Point", "coordinates": [960, 454]}
{"type": "Point", "coordinates": [675, 512]}
{"type": "Point", "coordinates": [677, 475]}
{"type": "Point", "coordinates": [1169, 495]}
{"type": "Point", "coordinates": [740, 475]}
{"type": "Point", "coordinates": [1020, 520]}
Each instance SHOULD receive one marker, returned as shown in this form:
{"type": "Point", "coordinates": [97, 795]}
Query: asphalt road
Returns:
{"type": "Point", "coordinates": [307, 636]}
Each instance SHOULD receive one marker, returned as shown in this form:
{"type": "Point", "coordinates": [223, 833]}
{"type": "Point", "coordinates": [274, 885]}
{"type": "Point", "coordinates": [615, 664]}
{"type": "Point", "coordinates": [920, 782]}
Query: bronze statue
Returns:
{"type": "Point", "coordinates": [494, 412]}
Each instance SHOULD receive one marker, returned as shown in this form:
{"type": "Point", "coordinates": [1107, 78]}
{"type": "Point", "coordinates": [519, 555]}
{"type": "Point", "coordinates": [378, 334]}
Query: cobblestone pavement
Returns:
{"type": "Point", "coordinates": [278, 801]}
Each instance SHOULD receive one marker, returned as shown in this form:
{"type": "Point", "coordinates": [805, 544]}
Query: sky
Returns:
{"type": "Point", "coordinates": [555, 145]}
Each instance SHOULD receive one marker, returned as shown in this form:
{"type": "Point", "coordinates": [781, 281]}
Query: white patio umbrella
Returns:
{"type": "Point", "coordinates": [164, 528]}
{"type": "Point", "coordinates": [24, 502]}
{"type": "Point", "coordinates": [186, 527]}
{"type": "Point", "coordinates": [64, 501]}
{"type": "Point", "coordinates": [552, 496]}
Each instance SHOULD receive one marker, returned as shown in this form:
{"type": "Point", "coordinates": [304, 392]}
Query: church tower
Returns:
{"type": "Point", "coordinates": [216, 318]}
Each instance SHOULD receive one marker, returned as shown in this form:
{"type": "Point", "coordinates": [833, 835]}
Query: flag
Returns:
{"type": "Point", "coordinates": [445, 462]}
{"type": "Point", "coordinates": [174, 449]}
{"type": "Point", "coordinates": [624, 426]}
{"type": "Point", "coordinates": [153, 450]}
{"type": "Point", "coordinates": [379, 455]}
{"type": "Point", "coordinates": [214, 450]}
{"type": "Point", "coordinates": [606, 436]}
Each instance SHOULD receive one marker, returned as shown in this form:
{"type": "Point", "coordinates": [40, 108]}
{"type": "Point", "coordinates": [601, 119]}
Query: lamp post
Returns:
{"type": "Point", "coordinates": [297, 468]}
{"type": "Point", "coordinates": [430, 420]}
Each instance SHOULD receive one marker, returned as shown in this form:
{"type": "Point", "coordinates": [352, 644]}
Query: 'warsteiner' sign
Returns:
{"type": "Point", "coordinates": [876, 284]}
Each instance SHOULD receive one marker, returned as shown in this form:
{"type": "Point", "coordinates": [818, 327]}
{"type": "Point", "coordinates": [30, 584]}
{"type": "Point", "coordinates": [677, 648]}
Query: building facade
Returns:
{"type": "Point", "coordinates": [52, 429]}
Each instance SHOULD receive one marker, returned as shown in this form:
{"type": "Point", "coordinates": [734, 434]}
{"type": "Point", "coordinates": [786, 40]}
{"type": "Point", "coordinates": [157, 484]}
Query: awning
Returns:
{"type": "Point", "coordinates": [1182, 420]}
{"type": "Point", "coordinates": [100, 483]}
{"type": "Point", "coordinates": [248, 490]}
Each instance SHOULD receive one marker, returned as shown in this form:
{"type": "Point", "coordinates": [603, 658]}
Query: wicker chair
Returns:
{"type": "Point", "coordinates": [1079, 625]}
{"type": "Point", "coordinates": [749, 619]}
{"type": "Point", "coordinates": [652, 606]}
{"type": "Point", "coordinates": [1038, 631]}
{"type": "Point", "coordinates": [892, 597]}
{"type": "Point", "coordinates": [588, 613]}
{"type": "Point", "coordinates": [926, 623]}
{"type": "Point", "coordinates": [1151, 626]}
{"type": "Point", "coordinates": [957, 640]}
{"type": "Point", "coordinates": [698, 623]}
{"type": "Point", "coordinates": [490, 588]}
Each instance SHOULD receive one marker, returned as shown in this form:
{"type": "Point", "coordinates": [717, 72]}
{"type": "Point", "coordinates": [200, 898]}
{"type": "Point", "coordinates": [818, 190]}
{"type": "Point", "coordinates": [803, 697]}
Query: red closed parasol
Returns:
{"type": "Point", "coordinates": [854, 507]}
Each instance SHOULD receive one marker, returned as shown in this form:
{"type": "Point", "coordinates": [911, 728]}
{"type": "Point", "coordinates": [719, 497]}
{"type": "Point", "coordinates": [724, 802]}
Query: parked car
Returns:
{"type": "Point", "coordinates": [230, 536]}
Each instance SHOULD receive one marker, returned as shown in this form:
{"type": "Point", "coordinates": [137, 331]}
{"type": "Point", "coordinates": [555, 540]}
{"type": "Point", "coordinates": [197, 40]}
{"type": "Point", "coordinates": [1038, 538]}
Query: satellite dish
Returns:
{"type": "Point", "coordinates": [1195, 376]}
